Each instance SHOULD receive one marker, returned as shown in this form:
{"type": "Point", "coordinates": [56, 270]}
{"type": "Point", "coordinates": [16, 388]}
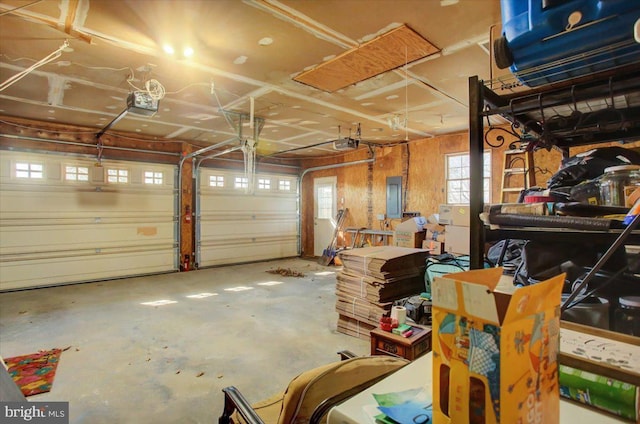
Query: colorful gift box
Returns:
{"type": "Point", "coordinates": [495, 353]}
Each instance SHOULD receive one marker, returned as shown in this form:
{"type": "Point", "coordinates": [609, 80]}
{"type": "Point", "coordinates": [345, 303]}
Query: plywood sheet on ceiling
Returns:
{"type": "Point", "coordinates": [389, 51]}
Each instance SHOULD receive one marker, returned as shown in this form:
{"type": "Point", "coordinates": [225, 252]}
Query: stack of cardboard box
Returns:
{"type": "Point", "coordinates": [370, 280]}
{"type": "Point", "coordinates": [455, 219]}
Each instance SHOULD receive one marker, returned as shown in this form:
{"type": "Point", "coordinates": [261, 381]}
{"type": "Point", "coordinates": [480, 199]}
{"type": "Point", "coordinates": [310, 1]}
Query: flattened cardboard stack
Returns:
{"type": "Point", "coordinates": [370, 280]}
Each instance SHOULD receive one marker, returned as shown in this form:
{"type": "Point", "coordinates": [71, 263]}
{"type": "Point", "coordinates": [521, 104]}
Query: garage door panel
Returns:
{"type": "Point", "coordinates": [246, 232]}
{"type": "Point", "coordinates": [246, 250]}
{"type": "Point", "coordinates": [249, 219]}
{"type": "Point", "coordinates": [70, 237]}
{"type": "Point", "coordinates": [28, 219]}
{"type": "Point", "coordinates": [235, 226]}
{"type": "Point", "coordinates": [80, 203]}
{"type": "Point", "coordinates": [63, 220]}
{"type": "Point", "coordinates": [245, 204]}
{"type": "Point", "coordinates": [254, 227]}
{"type": "Point", "coordinates": [36, 272]}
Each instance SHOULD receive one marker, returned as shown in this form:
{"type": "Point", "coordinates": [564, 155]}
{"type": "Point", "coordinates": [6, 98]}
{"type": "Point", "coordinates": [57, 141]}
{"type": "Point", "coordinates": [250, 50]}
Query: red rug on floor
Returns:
{"type": "Point", "coordinates": [34, 373]}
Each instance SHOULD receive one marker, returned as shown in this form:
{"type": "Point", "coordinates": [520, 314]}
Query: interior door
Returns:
{"type": "Point", "coordinates": [324, 212]}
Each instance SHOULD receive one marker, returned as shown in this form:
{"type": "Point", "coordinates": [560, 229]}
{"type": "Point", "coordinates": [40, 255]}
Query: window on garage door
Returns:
{"type": "Point", "coordinates": [31, 170]}
{"type": "Point", "coordinates": [76, 173]}
{"type": "Point", "coordinates": [117, 176]}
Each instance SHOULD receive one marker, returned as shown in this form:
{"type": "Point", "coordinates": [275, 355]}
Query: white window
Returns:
{"type": "Point", "coordinates": [29, 170]}
{"type": "Point", "coordinates": [284, 185]}
{"type": "Point", "coordinates": [152, 177]}
{"type": "Point", "coordinates": [241, 182]}
{"type": "Point", "coordinates": [216, 181]}
{"type": "Point", "coordinates": [76, 173]}
{"type": "Point", "coordinates": [458, 181]}
{"type": "Point", "coordinates": [325, 201]}
{"type": "Point", "coordinates": [117, 176]}
{"type": "Point", "coordinates": [264, 184]}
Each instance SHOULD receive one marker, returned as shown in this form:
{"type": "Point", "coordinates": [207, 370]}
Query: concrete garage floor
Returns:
{"type": "Point", "coordinates": [134, 363]}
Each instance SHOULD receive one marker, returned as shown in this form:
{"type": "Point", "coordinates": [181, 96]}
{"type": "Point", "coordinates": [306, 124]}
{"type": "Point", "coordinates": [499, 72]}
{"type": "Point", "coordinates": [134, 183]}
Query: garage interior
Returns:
{"type": "Point", "coordinates": [161, 161]}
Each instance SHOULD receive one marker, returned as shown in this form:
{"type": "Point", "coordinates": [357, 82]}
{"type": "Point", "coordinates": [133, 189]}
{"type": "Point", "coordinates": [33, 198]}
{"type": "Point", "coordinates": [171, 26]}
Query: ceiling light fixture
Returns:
{"type": "Point", "coordinates": [168, 49]}
{"type": "Point", "coordinates": [187, 51]}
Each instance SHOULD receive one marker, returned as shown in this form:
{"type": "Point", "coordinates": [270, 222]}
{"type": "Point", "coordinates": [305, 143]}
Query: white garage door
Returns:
{"type": "Point", "coordinates": [236, 226]}
{"type": "Point", "coordinates": [65, 220]}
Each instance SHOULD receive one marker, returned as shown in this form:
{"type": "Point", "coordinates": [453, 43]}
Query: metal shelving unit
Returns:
{"type": "Point", "coordinates": [588, 111]}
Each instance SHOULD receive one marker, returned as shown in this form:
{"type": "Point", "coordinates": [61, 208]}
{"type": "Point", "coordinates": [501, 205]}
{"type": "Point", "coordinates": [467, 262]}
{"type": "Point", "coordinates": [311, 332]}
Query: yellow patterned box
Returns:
{"type": "Point", "coordinates": [495, 353]}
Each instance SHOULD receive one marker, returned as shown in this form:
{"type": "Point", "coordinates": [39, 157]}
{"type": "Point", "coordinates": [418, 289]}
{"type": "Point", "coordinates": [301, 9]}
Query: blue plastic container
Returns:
{"type": "Point", "coordinates": [547, 41]}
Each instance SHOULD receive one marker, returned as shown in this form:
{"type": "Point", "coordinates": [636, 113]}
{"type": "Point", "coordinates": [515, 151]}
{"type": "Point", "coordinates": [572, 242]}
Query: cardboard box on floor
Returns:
{"type": "Point", "coordinates": [495, 354]}
{"type": "Point", "coordinates": [410, 233]}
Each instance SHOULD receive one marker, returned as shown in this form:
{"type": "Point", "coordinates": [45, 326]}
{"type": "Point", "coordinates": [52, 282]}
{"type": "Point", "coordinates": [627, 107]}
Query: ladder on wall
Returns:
{"type": "Point", "coordinates": [516, 178]}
